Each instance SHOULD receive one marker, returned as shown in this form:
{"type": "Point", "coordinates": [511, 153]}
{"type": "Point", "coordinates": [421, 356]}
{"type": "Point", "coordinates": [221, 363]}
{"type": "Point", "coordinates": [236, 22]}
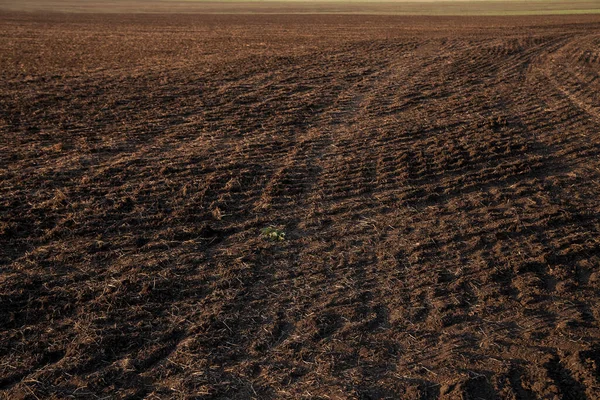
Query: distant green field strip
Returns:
{"type": "Point", "coordinates": [385, 7]}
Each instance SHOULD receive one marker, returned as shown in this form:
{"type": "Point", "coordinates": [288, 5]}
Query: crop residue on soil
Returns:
{"type": "Point", "coordinates": [433, 184]}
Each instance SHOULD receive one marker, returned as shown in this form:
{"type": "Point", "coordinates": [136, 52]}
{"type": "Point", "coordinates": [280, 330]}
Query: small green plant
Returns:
{"type": "Point", "coordinates": [272, 233]}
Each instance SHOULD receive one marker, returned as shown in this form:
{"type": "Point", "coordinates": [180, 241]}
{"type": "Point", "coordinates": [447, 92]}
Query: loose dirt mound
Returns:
{"type": "Point", "coordinates": [437, 181]}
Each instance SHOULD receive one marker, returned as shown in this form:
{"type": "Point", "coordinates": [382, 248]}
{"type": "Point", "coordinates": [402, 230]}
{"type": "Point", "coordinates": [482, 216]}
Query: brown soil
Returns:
{"type": "Point", "coordinates": [438, 181]}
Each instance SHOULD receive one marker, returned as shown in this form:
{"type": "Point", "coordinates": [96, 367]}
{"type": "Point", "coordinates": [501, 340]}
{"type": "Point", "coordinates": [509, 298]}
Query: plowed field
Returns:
{"type": "Point", "coordinates": [437, 181]}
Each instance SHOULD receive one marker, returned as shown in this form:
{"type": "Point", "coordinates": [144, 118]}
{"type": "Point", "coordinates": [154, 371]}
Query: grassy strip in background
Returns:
{"type": "Point", "coordinates": [436, 7]}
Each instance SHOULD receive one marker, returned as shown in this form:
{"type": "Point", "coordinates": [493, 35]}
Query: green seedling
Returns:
{"type": "Point", "coordinates": [272, 233]}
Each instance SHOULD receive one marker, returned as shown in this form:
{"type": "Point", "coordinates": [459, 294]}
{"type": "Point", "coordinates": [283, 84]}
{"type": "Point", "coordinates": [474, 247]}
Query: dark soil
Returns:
{"type": "Point", "coordinates": [437, 181]}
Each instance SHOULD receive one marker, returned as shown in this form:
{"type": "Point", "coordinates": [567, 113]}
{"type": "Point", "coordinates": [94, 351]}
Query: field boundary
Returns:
{"type": "Point", "coordinates": [295, 7]}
